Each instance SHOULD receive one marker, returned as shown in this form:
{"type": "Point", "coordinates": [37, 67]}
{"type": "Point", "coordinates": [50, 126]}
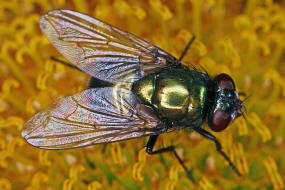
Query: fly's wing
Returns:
{"type": "Point", "coordinates": [94, 116]}
{"type": "Point", "coordinates": [103, 51]}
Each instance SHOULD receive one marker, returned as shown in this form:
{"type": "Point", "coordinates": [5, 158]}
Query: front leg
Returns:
{"type": "Point", "coordinates": [218, 146]}
{"type": "Point", "coordinates": [149, 150]}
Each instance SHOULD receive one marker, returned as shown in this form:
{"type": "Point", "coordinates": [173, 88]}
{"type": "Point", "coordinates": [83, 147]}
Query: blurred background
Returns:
{"type": "Point", "coordinates": [245, 39]}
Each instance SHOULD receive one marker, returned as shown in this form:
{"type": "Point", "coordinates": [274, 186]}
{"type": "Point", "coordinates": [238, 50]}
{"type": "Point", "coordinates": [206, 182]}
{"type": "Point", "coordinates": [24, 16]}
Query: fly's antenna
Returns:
{"type": "Point", "coordinates": [65, 63]}
{"type": "Point", "coordinates": [247, 98]}
{"type": "Point", "coordinates": [186, 48]}
{"type": "Point", "coordinates": [242, 103]}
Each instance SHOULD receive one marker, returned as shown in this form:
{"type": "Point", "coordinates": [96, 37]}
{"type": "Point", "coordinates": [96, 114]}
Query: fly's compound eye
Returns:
{"type": "Point", "coordinates": [224, 81]}
{"type": "Point", "coordinates": [219, 121]}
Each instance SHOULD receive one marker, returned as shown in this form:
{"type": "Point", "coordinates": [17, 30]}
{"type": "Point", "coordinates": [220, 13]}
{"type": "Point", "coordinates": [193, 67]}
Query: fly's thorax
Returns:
{"type": "Point", "coordinates": [171, 94]}
{"type": "Point", "coordinates": [195, 115]}
{"type": "Point", "coordinates": [177, 94]}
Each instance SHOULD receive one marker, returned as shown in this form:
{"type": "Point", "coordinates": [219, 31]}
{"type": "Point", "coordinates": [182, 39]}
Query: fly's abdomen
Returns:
{"type": "Point", "coordinates": [144, 88]}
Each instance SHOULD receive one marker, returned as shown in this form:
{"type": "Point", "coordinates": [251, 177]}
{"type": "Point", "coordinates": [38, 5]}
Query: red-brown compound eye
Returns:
{"type": "Point", "coordinates": [224, 81]}
{"type": "Point", "coordinates": [220, 120]}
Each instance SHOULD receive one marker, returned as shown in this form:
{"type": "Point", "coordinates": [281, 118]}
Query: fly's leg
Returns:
{"type": "Point", "coordinates": [64, 63]}
{"type": "Point", "coordinates": [104, 148]}
{"type": "Point", "coordinates": [93, 82]}
{"type": "Point", "coordinates": [149, 150]}
{"type": "Point", "coordinates": [186, 48]}
{"type": "Point", "coordinates": [218, 146]}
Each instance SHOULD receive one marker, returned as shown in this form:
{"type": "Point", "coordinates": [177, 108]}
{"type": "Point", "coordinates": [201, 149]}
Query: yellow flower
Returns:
{"type": "Point", "coordinates": [242, 38]}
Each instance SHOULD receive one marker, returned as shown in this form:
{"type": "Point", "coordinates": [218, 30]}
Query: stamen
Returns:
{"type": "Point", "coordinates": [116, 153]}
{"type": "Point", "coordinates": [95, 185]}
{"type": "Point", "coordinates": [43, 158]}
{"type": "Point", "coordinates": [5, 183]}
{"type": "Point", "coordinates": [205, 184]}
{"type": "Point", "coordinates": [138, 166]}
{"type": "Point", "coordinates": [274, 175]}
{"type": "Point", "coordinates": [261, 128]}
{"type": "Point", "coordinates": [240, 158]}
{"type": "Point", "coordinates": [37, 179]}
{"type": "Point", "coordinates": [173, 176]}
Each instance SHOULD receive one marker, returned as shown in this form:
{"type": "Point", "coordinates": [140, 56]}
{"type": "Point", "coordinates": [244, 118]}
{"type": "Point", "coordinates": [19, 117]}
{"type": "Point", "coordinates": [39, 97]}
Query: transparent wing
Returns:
{"type": "Point", "coordinates": [103, 51]}
{"type": "Point", "coordinates": [101, 115]}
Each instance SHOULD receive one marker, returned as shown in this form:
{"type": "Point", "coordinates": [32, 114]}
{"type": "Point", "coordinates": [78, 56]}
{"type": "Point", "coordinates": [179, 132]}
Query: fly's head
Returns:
{"type": "Point", "coordinates": [226, 105]}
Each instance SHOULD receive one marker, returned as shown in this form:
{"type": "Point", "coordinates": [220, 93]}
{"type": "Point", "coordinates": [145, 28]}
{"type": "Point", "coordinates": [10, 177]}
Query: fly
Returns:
{"type": "Point", "coordinates": [136, 90]}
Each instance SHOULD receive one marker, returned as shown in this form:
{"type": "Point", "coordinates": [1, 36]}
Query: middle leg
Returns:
{"type": "Point", "coordinates": [149, 150]}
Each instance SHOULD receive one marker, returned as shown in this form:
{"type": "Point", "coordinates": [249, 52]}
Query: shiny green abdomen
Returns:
{"type": "Point", "coordinates": [176, 93]}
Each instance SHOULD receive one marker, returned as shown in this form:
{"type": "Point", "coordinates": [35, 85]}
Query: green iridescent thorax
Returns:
{"type": "Point", "coordinates": [176, 93]}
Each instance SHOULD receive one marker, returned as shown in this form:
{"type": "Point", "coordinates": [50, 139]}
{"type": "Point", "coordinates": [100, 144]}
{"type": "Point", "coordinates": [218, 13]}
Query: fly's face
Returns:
{"type": "Point", "coordinates": [226, 106]}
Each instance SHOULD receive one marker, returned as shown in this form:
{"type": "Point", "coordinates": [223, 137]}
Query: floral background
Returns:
{"type": "Point", "coordinates": [242, 38]}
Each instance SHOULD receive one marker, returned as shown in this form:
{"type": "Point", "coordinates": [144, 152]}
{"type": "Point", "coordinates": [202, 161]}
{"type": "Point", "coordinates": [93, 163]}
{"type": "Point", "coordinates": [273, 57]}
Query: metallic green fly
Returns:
{"type": "Point", "coordinates": [136, 90]}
